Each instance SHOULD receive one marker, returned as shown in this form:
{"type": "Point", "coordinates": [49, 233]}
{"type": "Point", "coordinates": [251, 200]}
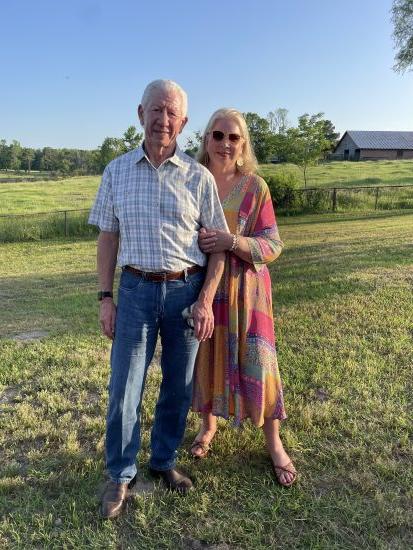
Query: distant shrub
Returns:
{"type": "Point", "coordinates": [291, 198]}
{"type": "Point", "coordinates": [316, 200]}
{"type": "Point", "coordinates": [283, 187]}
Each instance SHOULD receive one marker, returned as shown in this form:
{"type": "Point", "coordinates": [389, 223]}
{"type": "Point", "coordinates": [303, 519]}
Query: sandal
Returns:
{"type": "Point", "coordinates": [205, 447]}
{"type": "Point", "coordinates": [278, 471]}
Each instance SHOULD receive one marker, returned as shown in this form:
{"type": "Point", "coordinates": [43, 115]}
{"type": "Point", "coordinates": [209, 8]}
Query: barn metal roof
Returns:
{"type": "Point", "coordinates": [372, 139]}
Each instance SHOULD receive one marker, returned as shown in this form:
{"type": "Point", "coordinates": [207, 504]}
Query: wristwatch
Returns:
{"type": "Point", "coordinates": [104, 294]}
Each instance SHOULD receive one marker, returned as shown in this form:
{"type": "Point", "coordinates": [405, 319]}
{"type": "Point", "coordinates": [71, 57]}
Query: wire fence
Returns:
{"type": "Point", "coordinates": [346, 199]}
{"type": "Point", "coordinates": [45, 225]}
{"type": "Point", "coordinates": [65, 223]}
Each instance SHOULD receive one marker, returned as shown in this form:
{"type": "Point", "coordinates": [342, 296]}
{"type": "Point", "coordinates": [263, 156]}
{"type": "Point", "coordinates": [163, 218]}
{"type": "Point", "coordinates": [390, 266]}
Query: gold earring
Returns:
{"type": "Point", "coordinates": [240, 162]}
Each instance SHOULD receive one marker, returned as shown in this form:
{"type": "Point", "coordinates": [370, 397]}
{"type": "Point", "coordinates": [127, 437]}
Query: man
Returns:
{"type": "Point", "coordinates": [149, 207]}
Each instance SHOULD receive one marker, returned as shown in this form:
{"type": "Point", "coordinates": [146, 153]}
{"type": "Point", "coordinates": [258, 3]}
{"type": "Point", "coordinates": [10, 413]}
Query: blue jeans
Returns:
{"type": "Point", "coordinates": [146, 308]}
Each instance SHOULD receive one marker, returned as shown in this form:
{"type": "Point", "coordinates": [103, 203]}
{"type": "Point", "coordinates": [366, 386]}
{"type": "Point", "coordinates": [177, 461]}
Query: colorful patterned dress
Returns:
{"type": "Point", "coordinates": [236, 372]}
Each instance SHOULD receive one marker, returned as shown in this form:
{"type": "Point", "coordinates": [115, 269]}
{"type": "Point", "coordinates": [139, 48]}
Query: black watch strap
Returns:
{"type": "Point", "coordinates": [104, 294]}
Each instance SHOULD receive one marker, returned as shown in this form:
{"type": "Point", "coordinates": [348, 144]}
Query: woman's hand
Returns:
{"type": "Point", "coordinates": [211, 241]}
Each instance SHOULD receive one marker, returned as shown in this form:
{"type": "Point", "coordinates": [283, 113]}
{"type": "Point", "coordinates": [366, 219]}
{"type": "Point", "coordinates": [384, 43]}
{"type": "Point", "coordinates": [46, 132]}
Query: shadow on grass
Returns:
{"type": "Point", "coordinates": [57, 303]}
{"type": "Point", "coordinates": [318, 272]}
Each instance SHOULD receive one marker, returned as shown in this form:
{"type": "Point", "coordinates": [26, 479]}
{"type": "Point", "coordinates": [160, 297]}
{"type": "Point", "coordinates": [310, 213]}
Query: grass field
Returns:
{"type": "Point", "coordinates": [78, 192]}
{"type": "Point", "coordinates": [25, 198]}
{"type": "Point", "coordinates": [342, 296]}
{"type": "Point", "coordinates": [351, 174]}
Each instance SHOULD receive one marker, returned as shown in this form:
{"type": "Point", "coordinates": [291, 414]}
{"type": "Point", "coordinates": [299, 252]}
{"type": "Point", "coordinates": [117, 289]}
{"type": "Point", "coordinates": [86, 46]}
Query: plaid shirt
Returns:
{"type": "Point", "coordinates": [158, 211]}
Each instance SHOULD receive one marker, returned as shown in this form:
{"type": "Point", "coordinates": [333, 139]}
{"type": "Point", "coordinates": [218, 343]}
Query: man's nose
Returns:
{"type": "Point", "coordinates": [164, 117]}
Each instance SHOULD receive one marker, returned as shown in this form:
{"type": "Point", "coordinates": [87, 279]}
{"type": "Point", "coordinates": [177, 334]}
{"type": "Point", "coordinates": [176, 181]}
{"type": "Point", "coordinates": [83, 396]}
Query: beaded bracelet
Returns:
{"type": "Point", "coordinates": [234, 243]}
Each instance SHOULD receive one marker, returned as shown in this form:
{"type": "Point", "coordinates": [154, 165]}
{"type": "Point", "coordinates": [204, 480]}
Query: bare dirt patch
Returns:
{"type": "Point", "coordinates": [9, 394]}
{"type": "Point", "coordinates": [30, 336]}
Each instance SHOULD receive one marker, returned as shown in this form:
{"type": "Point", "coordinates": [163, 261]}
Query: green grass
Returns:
{"type": "Point", "coordinates": [350, 174]}
{"type": "Point", "coordinates": [70, 193]}
{"type": "Point", "coordinates": [342, 297]}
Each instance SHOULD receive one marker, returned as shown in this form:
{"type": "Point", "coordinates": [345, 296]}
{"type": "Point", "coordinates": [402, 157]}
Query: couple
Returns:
{"type": "Point", "coordinates": [187, 263]}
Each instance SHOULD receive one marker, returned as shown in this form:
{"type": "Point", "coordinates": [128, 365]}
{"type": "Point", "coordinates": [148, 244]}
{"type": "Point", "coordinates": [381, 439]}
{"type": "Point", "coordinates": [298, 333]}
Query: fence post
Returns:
{"type": "Point", "coordinates": [334, 199]}
{"type": "Point", "coordinates": [377, 198]}
{"type": "Point", "coordinates": [65, 223]}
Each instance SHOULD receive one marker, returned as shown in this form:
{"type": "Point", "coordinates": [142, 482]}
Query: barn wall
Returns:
{"type": "Point", "coordinates": [346, 143]}
{"type": "Point", "coordinates": [388, 154]}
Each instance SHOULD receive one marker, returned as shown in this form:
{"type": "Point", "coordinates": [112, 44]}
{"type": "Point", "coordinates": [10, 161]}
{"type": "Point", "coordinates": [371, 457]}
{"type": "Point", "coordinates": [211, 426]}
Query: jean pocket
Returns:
{"type": "Point", "coordinates": [129, 282]}
{"type": "Point", "coordinates": [196, 280]}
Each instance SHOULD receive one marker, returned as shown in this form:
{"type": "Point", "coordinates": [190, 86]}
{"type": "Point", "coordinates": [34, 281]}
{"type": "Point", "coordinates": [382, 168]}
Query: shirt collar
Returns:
{"type": "Point", "coordinates": [177, 158]}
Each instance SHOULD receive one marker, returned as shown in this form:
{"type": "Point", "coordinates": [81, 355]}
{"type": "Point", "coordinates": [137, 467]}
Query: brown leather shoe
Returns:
{"type": "Point", "coordinates": [174, 480]}
{"type": "Point", "coordinates": [113, 499]}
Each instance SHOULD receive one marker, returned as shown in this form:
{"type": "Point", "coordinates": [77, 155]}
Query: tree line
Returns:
{"type": "Point", "coordinates": [14, 156]}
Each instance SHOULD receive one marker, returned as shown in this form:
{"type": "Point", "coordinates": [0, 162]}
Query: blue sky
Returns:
{"type": "Point", "coordinates": [72, 71]}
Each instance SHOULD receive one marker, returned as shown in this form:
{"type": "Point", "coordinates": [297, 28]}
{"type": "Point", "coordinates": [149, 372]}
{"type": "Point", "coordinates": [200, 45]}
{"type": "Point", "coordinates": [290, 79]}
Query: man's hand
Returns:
{"type": "Point", "coordinates": [203, 320]}
{"type": "Point", "coordinates": [214, 240]}
{"type": "Point", "coordinates": [107, 317]}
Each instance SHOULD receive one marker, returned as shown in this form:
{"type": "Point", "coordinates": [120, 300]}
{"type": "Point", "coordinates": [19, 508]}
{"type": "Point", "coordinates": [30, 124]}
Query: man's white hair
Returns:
{"type": "Point", "coordinates": [165, 86]}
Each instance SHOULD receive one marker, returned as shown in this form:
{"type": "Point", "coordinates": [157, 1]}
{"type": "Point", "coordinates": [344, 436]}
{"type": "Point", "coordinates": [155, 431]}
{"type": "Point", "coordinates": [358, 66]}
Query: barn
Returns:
{"type": "Point", "coordinates": [374, 145]}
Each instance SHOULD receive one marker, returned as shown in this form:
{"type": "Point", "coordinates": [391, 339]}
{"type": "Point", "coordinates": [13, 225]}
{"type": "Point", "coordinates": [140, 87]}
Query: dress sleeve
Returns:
{"type": "Point", "coordinates": [102, 213]}
{"type": "Point", "coordinates": [263, 239]}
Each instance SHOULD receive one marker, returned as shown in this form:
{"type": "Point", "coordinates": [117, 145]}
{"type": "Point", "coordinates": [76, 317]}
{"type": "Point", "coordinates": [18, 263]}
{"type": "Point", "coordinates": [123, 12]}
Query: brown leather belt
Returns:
{"type": "Point", "coordinates": [166, 275]}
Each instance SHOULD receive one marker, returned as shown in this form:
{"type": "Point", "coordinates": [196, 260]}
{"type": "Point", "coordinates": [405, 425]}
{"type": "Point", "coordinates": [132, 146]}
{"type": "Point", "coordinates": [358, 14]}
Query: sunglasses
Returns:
{"type": "Point", "coordinates": [219, 136]}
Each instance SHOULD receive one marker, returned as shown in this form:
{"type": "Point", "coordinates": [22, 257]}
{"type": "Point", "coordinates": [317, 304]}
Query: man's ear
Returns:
{"type": "Point", "coordinates": [140, 114]}
{"type": "Point", "coordinates": [183, 123]}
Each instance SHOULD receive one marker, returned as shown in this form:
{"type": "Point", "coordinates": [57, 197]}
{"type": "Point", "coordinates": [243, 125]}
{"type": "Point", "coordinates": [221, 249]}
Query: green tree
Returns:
{"type": "Point", "coordinates": [114, 147]}
{"type": "Point", "coordinates": [27, 157]}
{"type": "Point", "coordinates": [193, 143]}
{"type": "Point", "coordinates": [281, 146]}
{"type": "Point", "coordinates": [402, 17]}
{"type": "Point", "coordinates": [307, 143]}
{"type": "Point", "coordinates": [131, 139]}
{"type": "Point", "coordinates": [4, 155]}
{"type": "Point", "coordinates": [330, 133]}
{"type": "Point", "coordinates": [110, 149]}
{"type": "Point", "coordinates": [64, 164]}
{"type": "Point", "coordinates": [15, 155]}
{"type": "Point", "coordinates": [261, 136]}
{"type": "Point", "coordinates": [37, 160]}
{"type": "Point", "coordinates": [50, 159]}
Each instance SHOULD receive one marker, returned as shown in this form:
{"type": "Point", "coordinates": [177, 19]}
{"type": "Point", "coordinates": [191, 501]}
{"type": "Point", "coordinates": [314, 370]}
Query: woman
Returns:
{"type": "Point", "coordinates": [236, 370]}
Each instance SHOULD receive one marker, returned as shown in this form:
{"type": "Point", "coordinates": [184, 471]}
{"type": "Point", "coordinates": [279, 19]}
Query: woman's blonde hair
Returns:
{"type": "Point", "coordinates": [250, 164]}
